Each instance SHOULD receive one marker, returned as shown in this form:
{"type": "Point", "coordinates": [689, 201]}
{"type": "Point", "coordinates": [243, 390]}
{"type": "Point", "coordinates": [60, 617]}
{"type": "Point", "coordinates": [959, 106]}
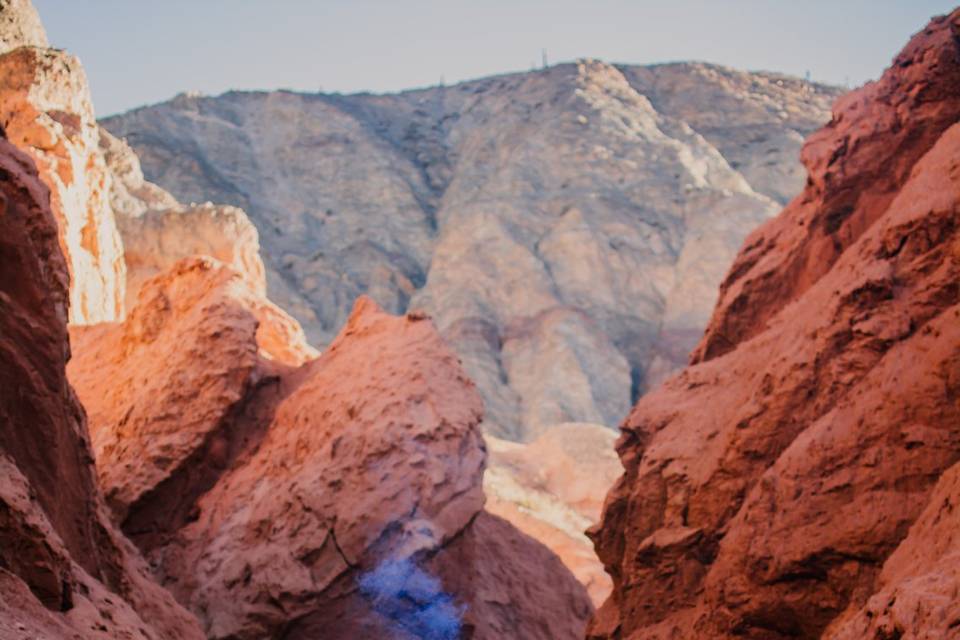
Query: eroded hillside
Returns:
{"type": "Point", "coordinates": [566, 228]}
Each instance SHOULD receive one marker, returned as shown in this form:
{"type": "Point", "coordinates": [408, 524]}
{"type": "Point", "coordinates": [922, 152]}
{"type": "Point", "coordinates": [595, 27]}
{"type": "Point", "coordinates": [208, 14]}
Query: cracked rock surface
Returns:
{"type": "Point", "coordinates": [292, 482]}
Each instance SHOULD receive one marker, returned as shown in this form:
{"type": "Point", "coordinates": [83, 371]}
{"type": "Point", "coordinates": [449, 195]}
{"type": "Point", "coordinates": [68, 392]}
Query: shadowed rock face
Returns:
{"type": "Point", "coordinates": [566, 287]}
{"type": "Point", "coordinates": [64, 571]}
{"type": "Point", "coordinates": [799, 480]}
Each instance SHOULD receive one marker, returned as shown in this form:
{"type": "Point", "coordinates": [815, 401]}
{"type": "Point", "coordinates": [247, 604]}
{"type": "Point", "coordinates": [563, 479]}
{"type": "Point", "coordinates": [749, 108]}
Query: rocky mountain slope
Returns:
{"type": "Point", "coordinates": [566, 228]}
{"type": "Point", "coordinates": [799, 480]}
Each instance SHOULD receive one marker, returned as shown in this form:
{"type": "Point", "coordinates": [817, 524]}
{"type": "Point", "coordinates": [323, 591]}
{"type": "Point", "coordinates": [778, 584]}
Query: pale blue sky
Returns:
{"type": "Point", "coordinates": [142, 51]}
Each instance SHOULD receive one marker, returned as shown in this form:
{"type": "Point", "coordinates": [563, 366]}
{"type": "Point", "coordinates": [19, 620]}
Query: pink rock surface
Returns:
{"type": "Point", "coordinates": [552, 490]}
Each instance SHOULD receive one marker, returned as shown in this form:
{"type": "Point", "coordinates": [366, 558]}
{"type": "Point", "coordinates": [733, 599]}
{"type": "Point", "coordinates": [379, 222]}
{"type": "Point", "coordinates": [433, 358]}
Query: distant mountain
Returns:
{"type": "Point", "coordinates": [567, 228]}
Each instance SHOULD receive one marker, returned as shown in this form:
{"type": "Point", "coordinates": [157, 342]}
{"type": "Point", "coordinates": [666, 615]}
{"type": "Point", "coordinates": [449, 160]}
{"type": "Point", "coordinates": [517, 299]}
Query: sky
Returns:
{"type": "Point", "coordinates": [139, 52]}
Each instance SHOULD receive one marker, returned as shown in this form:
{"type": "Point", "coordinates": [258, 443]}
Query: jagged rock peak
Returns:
{"type": "Point", "coordinates": [20, 26]}
{"type": "Point", "coordinates": [856, 166]}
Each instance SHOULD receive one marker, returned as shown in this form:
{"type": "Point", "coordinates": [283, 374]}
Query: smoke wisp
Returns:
{"type": "Point", "coordinates": [413, 600]}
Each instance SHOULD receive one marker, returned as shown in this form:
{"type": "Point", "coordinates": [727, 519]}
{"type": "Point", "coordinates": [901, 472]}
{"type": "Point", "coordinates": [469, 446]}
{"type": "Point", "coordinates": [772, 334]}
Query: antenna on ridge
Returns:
{"type": "Point", "coordinates": [543, 55]}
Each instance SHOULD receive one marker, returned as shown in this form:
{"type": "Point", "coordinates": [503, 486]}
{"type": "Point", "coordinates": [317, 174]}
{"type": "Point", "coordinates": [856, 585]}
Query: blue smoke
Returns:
{"type": "Point", "coordinates": [415, 602]}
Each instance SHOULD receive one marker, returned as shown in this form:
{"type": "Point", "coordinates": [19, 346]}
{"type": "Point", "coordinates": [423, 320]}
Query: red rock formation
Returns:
{"type": "Point", "coordinates": [919, 595]}
{"type": "Point", "coordinates": [856, 165]}
{"type": "Point", "coordinates": [170, 375]}
{"type": "Point", "coordinates": [786, 485]}
{"type": "Point", "coordinates": [64, 572]}
{"type": "Point", "coordinates": [262, 492]}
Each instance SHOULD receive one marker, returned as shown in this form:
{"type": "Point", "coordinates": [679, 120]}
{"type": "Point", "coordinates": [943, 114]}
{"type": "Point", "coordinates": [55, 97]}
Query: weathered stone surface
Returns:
{"type": "Point", "coordinates": [919, 594]}
{"type": "Point", "coordinates": [158, 231]}
{"type": "Point", "coordinates": [65, 571]}
{"type": "Point", "coordinates": [514, 586]}
{"type": "Point", "coordinates": [552, 490]}
{"type": "Point", "coordinates": [593, 277]}
{"type": "Point", "coordinates": [168, 390]}
{"type": "Point", "coordinates": [45, 109]}
{"type": "Point", "coordinates": [99, 193]}
{"type": "Point", "coordinates": [262, 492]}
{"type": "Point", "coordinates": [20, 26]}
{"type": "Point", "coordinates": [856, 166]}
{"type": "Point", "coordinates": [777, 487]}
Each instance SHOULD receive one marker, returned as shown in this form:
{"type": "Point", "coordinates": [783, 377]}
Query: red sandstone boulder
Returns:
{"type": "Point", "coordinates": [64, 571]}
{"type": "Point", "coordinates": [163, 387]}
{"type": "Point", "coordinates": [787, 485]}
{"type": "Point", "coordinates": [263, 493]}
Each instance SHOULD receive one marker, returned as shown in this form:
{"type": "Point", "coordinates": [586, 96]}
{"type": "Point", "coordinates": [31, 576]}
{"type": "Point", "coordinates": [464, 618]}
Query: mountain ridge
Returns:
{"type": "Point", "coordinates": [371, 193]}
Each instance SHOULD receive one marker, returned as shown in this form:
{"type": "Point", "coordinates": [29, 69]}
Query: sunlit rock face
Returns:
{"type": "Point", "coordinates": [165, 389]}
{"type": "Point", "coordinates": [566, 228]}
{"type": "Point", "coordinates": [799, 480]}
{"type": "Point", "coordinates": [263, 491]}
{"type": "Point", "coordinates": [66, 572]}
{"type": "Point", "coordinates": [116, 229]}
{"type": "Point", "coordinates": [46, 111]}
{"type": "Point", "coordinates": [20, 26]}
{"type": "Point", "coordinates": [552, 489]}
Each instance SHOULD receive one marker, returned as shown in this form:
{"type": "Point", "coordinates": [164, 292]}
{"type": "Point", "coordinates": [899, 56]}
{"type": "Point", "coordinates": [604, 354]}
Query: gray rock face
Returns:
{"type": "Point", "coordinates": [567, 228]}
